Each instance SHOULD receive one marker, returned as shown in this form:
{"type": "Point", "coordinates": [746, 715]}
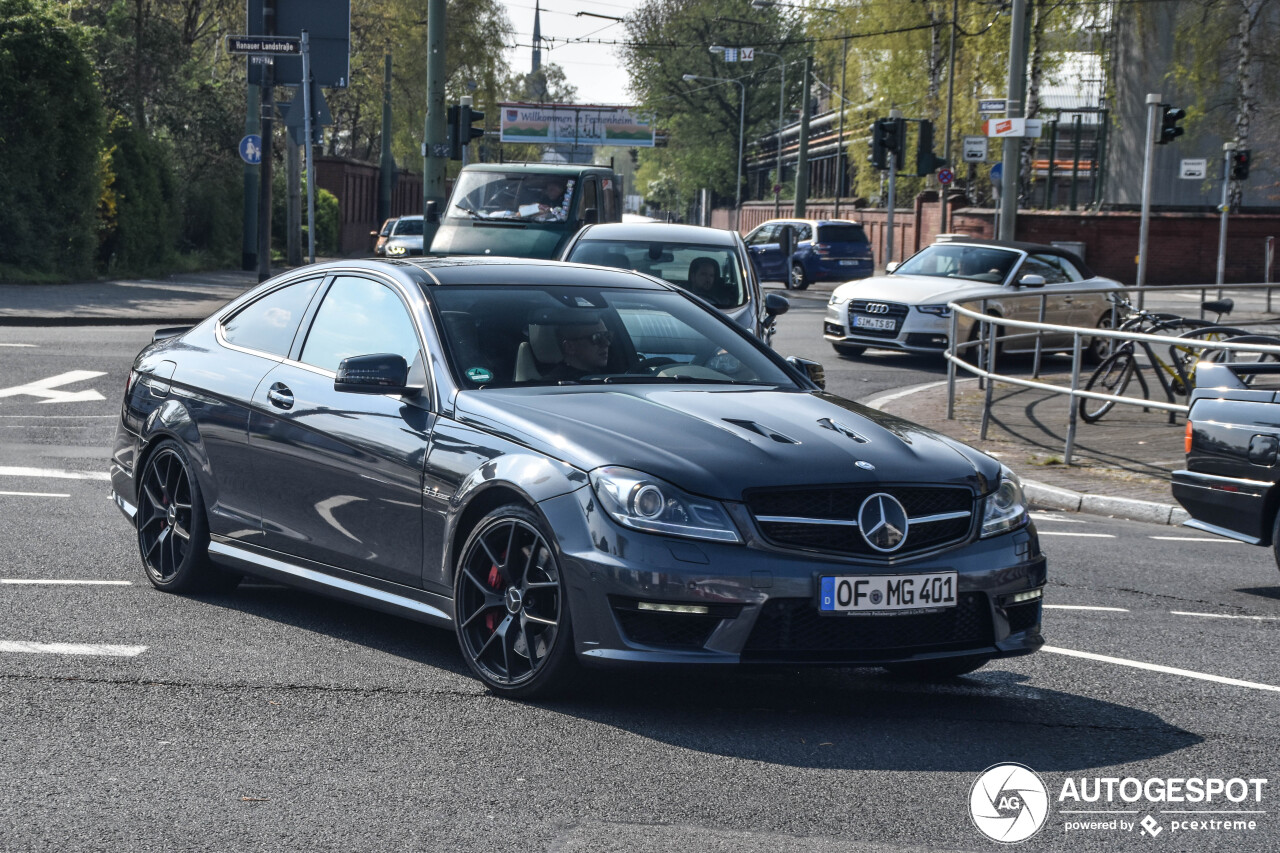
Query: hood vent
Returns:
{"type": "Point", "coordinates": [761, 430]}
{"type": "Point", "coordinates": [835, 426]}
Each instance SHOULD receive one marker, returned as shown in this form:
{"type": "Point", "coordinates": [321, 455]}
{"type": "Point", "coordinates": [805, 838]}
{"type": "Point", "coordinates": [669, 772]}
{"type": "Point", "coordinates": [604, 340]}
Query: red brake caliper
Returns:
{"type": "Point", "coordinates": [495, 581]}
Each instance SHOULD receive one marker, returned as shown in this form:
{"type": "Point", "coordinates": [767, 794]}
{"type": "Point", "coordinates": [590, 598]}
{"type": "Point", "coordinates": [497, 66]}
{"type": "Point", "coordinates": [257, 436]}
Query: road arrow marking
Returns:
{"type": "Point", "coordinates": [47, 388]}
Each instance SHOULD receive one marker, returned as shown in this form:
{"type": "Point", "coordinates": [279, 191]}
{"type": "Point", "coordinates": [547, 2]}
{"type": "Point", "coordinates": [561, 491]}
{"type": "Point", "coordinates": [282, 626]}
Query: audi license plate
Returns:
{"type": "Point", "coordinates": [884, 593]}
{"type": "Point", "coordinates": [883, 324]}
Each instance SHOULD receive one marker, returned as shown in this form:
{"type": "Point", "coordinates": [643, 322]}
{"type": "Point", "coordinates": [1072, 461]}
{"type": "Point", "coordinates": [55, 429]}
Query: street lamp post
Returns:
{"type": "Point", "coordinates": [782, 110]}
{"type": "Point", "coordinates": [742, 116]}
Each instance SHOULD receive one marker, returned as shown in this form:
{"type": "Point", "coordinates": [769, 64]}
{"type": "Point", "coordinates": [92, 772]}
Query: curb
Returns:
{"type": "Point", "coordinates": [1051, 497]}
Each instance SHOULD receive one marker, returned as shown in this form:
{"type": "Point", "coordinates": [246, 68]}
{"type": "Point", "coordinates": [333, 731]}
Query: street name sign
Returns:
{"type": "Point", "coordinates": [992, 105]}
{"type": "Point", "coordinates": [1194, 170]}
{"type": "Point", "coordinates": [975, 149]}
{"type": "Point", "coordinates": [271, 45]}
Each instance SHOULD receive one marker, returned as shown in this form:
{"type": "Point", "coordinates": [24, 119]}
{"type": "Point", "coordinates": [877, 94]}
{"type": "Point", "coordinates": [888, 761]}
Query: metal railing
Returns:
{"type": "Point", "coordinates": [985, 341]}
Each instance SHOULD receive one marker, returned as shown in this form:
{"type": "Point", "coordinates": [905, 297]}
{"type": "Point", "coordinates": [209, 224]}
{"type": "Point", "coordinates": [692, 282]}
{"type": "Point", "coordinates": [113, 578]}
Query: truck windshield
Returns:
{"type": "Point", "coordinates": [497, 195]}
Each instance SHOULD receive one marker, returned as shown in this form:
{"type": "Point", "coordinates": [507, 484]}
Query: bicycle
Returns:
{"type": "Point", "coordinates": [1176, 374]}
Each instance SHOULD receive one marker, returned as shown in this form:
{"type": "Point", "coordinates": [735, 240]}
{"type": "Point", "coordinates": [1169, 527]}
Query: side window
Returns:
{"type": "Point", "coordinates": [803, 232]}
{"type": "Point", "coordinates": [763, 234]}
{"type": "Point", "coordinates": [589, 197]}
{"type": "Point", "coordinates": [1069, 269]}
{"type": "Point", "coordinates": [1044, 265]}
{"type": "Point", "coordinates": [608, 209]}
{"type": "Point", "coordinates": [269, 324]}
{"type": "Point", "coordinates": [359, 317]}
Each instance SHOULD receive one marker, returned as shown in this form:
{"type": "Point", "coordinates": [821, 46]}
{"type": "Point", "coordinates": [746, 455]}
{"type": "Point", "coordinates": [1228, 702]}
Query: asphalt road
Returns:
{"type": "Point", "coordinates": [270, 719]}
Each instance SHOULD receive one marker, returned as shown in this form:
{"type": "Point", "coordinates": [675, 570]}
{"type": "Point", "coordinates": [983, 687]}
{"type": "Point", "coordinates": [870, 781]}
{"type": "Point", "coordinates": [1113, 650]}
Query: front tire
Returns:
{"type": "Point", "coordinates": [1097, 349]}
{"type": "Point", "coordinates": [173, 532]}
{"type": "Point", "coordinates": [939, 669]}
{"type": "Point", "coordinates": [848, 350]}
{"type": "Point", "coordinates": [511, 607]}
{"type": "Point", "coordinates": [799, 281]}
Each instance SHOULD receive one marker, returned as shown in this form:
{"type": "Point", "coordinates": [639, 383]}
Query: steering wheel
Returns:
{"type": "Point", "coordinates": [654, 363]}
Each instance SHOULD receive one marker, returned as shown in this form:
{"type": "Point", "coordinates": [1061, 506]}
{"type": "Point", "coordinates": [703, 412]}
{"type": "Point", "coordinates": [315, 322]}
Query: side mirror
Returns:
{"type": "Point", "coordinates": [381, 373]}
{"type": "Point", "coordinates": [787, 242]}
{"type": "Point", "coordinates": [810, 368]}
{"type": "Point", "coordinates": [891, 266]}
{"type": "Point", "coordinates": [591, 215]}
{"type": "Point", "coordinates": [776, 304]}
{"type": "Point", "coordinates": [1031, 280]}
{"type": "Point", "coordinates": [432, 212]}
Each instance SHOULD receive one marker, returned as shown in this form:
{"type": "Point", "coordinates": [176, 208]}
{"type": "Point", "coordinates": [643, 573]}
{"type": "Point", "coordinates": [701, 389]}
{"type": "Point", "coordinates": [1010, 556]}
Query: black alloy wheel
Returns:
{"type": "Point", "coordinates": [511, 612]}
{"type": "Point", "coordinates": [173, 535]}
{"type": "Point", "coordinates": [799, 281]}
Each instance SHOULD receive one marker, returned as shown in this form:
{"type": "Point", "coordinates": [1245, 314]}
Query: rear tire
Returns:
{"type": "Point", "coordinates": [799, 281]}
{"type": "Point", "coordinates": [848, 350]}
{"type": "Point", "coordinates": [939, 669]}
{"type": "Point", "coordinates": [1110, 377]}
{"type": "Point", "coordinates": [1097, 349]}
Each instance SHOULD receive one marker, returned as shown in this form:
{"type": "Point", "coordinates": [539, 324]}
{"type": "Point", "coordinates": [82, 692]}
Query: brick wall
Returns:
{"type": "Point", "coordinates": [356, 186]}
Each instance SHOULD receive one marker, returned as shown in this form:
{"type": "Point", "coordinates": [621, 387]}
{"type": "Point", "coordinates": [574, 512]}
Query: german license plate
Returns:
{"type": "Point", "coordinates": [884, 324]}
{"type": "Point", "coordinates": [886, 593]}
{"type": "Point", "coordinates": [848, 263]}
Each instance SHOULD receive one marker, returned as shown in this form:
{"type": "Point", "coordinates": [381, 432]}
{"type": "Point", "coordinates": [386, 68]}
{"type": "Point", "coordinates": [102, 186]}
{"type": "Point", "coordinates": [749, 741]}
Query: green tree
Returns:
{"type": "Point", "coordinates": [50, 131]}
{"type": "Point", "coordinates": [143, 236]}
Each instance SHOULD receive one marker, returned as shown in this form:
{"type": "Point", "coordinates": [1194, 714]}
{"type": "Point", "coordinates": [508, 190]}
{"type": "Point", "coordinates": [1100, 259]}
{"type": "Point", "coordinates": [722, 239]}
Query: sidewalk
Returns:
{"type": "Point", "coordinates": [178, 299]}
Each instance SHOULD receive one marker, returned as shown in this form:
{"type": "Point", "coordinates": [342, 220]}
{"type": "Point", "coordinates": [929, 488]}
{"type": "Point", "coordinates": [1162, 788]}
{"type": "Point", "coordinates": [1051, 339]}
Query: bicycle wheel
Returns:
{"type": "Point", "coordinates": [1110, 377]}
{"type": "Point", "coordinates": [1245, 356]}
{"type": "Point", "coordinates": [1185, 356]}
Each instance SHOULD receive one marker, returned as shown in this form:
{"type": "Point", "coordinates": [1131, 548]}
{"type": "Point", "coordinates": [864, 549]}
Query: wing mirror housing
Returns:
{"type": "Point", "coordinates": [591, 215]}
{"type": "Point", "coordinates": [811, 369]}
{"type": "Point", "coordinates": [1031, 280]}
{"type": "Point", "coordinates": [891, 266]}
{"type": "Point", "coordinates": [379, 373]}
{"type": "Point", "coordinates": [775, 304]}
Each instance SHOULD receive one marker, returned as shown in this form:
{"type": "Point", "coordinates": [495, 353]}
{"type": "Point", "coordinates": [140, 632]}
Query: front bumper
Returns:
{"type": "Point", "coordinates": [1227, 506]}
{"type": "Point", "coordinates": [761, 602]}
{"type": "Point", "coordinates": [915, 332]}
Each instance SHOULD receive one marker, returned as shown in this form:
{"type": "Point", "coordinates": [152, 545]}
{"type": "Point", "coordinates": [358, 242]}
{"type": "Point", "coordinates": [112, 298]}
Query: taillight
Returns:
{"type": "Point", "coordinates": [822, 248]}
{"type": "Point", "coordinates": [128, 382]}
{"type": "Point", "coordinates": [1187, 439]}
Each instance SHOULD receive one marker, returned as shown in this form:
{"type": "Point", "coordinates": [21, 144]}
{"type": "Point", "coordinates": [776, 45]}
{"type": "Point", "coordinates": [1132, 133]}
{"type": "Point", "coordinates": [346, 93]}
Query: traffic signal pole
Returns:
{"type": "Point", "coordinates": [1144, 228]}
{"type": "Point", "coordinates": [1228, 148]}
{"type": "Point", "coordinates": [264, 181]}
{"type": "Point", "coordinates": [435, 143]}
{"type": "Point", "coordinates": [893, 185]}
{"type": "Point", "coordinates": [1011, 171]}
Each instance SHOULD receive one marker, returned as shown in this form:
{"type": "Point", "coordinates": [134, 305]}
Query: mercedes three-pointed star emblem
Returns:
{"type": "Point", "coordinates": [883, 522]}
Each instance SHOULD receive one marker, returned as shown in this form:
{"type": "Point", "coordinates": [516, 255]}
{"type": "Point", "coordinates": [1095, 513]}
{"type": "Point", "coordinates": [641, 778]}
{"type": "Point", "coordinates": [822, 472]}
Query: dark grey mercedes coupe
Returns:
{"type": "Point", "coordinates": [565, 465]}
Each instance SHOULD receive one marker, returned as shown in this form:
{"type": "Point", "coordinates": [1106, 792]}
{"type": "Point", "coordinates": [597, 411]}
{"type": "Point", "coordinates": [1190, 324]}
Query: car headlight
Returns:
{"type": "Point", "coordinates": [943, 310]}
{"type": "Point", "coordinates": [397, 249]}
{"type": "Point", "coordinates": [837, 298]}
{"type": "Point", "coordinates": [1004, 509]}
{"type": "Point", "coordinates": [641, 502]}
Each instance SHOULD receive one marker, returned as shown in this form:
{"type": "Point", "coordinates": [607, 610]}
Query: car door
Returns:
{"type": "Point", "coordinates": [341, 473]}
{"type": "Point", "coordinates": [1059, 306]}
{"type": "Point", "coordinates": [766, 252]}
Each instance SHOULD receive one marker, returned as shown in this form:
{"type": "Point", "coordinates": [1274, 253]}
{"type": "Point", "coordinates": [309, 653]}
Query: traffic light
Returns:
{"type": "Point", "coordinates": [886, 140]}
{"type": "Point", "coordinates": [1169, 118]}
{"type": "Point", "coordinates": [455, 135]}
{"type": "Point", "coordinates": [1239, 164]}
{"type": "Point", "coordinates": [468, 115]}
{"type": "Point", "coordinates": [926, 161]}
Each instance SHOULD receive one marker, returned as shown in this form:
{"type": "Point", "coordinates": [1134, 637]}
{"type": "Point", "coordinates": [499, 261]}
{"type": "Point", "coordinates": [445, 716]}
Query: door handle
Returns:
{"type": "Point", "coordinates": [280, 396]}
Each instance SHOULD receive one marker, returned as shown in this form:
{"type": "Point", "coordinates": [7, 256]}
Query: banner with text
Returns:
{"type": "Point", "coordinates": [572, 124]}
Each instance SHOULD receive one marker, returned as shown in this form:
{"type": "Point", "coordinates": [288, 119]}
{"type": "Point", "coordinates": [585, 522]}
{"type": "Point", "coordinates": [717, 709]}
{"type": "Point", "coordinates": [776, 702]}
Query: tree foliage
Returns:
{"type": "Point", "coordinates": [50, 130]}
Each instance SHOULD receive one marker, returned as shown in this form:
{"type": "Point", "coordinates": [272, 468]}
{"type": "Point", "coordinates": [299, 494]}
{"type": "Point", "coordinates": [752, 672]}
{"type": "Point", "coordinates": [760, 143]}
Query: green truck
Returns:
{"type": "Point", "coordinates": [524, 210]}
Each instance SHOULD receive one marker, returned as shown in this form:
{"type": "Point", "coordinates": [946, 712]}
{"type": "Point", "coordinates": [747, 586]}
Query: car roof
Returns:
{"type": "Point", "coordinates": [1029, 248]}
{"type": "Point", "coordinates": [472, 269]}
{"type": "Point", "coordinates": [535, 168]}
{"type": "Point", "coordinates": [664, 231]}
{"type": "Point", "coordinates": [811, 221]}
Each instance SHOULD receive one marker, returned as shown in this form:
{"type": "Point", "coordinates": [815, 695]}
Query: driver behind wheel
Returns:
{"type": "Point", "coordinates": [585, 349]}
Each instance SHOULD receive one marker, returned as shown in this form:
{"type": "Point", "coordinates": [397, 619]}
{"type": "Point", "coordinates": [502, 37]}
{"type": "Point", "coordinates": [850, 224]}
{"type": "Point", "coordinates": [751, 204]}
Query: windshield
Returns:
{"type": "Point", "coordinates": [409, 227]}
{"type": "Point", "coordinates": [841, 234]}
{"type": "Point", "coordinates": [949, 260]}
{"type": "Point", "coordinates": [504, 336]}
{"type": "Point", "coordinates": [712, 272]}
{"type": "Point", "coordinates": [528, 197]}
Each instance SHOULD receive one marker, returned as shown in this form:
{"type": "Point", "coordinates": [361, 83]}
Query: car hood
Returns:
{"type": "Point", "coordinates": [719, 442]}
{"type": "Point", "coordinates": [914, 289]}
{"type": "Point", "coordinates": [517, 240]}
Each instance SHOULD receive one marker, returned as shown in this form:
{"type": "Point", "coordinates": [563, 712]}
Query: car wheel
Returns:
{"type": "Point", "coordinates": [510, 606]}
{"type": "Point", "coordinates": [799, 281]}
{"type": "Point", "coordinates": [1096, 349]}
{"type": "Point", "coordinates": [848, 350]}
{"type": "Point", "coordinates": [173, 533]}
{"type": "Point", "coordinates": [973, 353]}
{"type": "Point", "coordinates": [939, 669]}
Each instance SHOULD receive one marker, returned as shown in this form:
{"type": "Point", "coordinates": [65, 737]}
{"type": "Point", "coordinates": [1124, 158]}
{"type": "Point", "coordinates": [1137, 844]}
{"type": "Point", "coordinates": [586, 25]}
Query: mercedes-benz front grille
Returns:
{"type": "Point", "coordinates": [825, 518]}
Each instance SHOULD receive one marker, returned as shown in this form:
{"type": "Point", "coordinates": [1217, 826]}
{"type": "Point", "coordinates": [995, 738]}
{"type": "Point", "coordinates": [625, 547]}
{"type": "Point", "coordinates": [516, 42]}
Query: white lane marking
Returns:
{"type": "Point", "coordinates": [1052, 516]}
{"type": "Point", "coordinates": [54, 473]}
{"type": "Point", "coordinates": [1086, 535]}
{"type": "Point", "coordinates": [33, 495]}
{"type": "Point", "coordinates": [57, 582]}
{"type": "Point", "coordinates": [1225, 616]}
{"type": "Point", "coordinates": [879, 402]}
{"type": "Point", "coordinates": [1196, 539]}
{"type": "Point", "coordinates": [47, 388]}
{"type": "Point", "coordinates": [17, 345]}
{"type": "Point", "coordinates": [71, 648]}
{"type": "Point", "coordinates": [1155, 667]}
{"type": "Point", "coordinates": [1085, 607]}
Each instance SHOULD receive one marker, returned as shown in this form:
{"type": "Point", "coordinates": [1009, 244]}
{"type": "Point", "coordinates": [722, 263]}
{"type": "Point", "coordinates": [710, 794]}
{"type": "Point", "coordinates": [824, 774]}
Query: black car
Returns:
{"type": "Point", "coordinates": [1233, 438]}
{"type": "Point", "coordinates": [423, 438]}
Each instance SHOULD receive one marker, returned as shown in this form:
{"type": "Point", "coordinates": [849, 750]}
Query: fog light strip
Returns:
{"type": "Point", "coordinates": [1155, 667]}
{"type": "Point", "coordinates": [673, 608]}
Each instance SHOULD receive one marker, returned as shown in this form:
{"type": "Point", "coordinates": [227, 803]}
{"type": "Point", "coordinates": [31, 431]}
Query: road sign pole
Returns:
{"type": "Point", "coordinates": [306, 127]}
{"type": "Point", "coordinates": [1227, 148]}
{"type": "Point", "coordinates": [249, 239]}
{"type": "Point", "coordinates": [1017, 87]}
{"type": "Point", "coordinates": [893, 191]}
{"type": "Point", "coordinates": [268, 113]}
{"type": "Point", "coordinates": [435, 130]}
{"type": "Point", "coordinates": [1144, 227]}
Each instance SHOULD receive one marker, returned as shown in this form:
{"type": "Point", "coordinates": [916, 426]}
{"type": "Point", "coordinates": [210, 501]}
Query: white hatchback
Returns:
{"type": "Point", "coordinates": [906, 309]}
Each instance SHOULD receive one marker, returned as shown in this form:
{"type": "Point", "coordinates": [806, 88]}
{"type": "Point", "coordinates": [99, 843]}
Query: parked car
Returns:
{"type": "Point", "coordinates": [709, 262]}
{"type": "Point", "coordinates": [397, 435]}
{"type": "Point", "coordinates": [382, 235]}
{"type": "Point", "coordinates": [1233, 440]}
{"type": "Point", "coordinates": [906, 309]}
{"type": "Point", "coordinates": [823, 250]}
{"type": "Point", "coordinates": [524, 210]}
{"type": "Point", "coordinates": [405, 238]}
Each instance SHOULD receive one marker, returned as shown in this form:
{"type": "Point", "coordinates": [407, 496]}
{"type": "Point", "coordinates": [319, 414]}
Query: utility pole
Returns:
{"type": "Point", "coordinates": [1144, 227]}
{"type": "Point", "coordinates": [1016, 96]}
{"type": "Point", "coordinates": [435, 143]}
{"type": "Point", "coordinates": [893, 184]}
{"type": "Point", "coordinates": [386, 163]}
{"type": "Point", "coordinates": [840, 166]}
{"type": "Point", "coordinates": [249, 235]}
{"type": "Point", "coordinates": [951, 96]}
{"type": "Point", "coordinates": [802, 161]}
{"type": "Point", "coordinates": [268, 113]}
{"type": "Point", "coordinates": [1228, 148]}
